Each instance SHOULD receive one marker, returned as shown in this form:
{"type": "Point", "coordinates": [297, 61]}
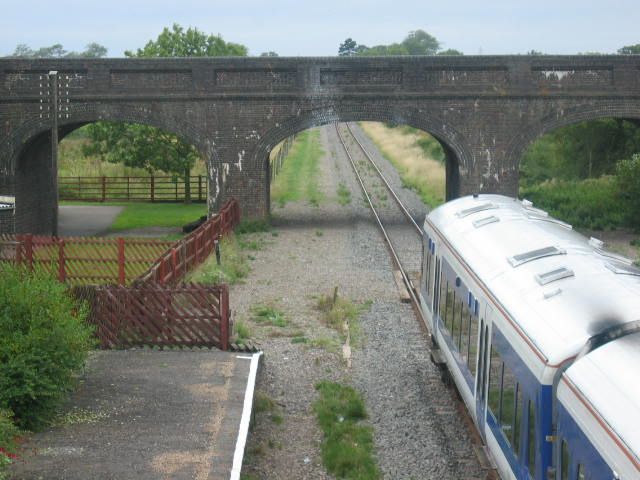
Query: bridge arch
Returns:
{"type": "Point", "coordinates": [561, 117]}
{"type": "Point", "coordinates": [458, 157]}
{"type": "Point", "coordinates": [30, 157]}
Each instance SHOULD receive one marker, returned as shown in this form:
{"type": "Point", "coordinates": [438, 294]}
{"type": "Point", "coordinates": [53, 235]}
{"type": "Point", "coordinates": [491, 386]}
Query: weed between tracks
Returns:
{"type": "Point", "coordinates": [341, 313]}
{"type": "Point", "coordinates": [347, 447]}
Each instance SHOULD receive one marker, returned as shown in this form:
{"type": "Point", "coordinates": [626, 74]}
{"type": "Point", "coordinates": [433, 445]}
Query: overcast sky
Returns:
{"type": "Point", "coordinates": [301, 27]}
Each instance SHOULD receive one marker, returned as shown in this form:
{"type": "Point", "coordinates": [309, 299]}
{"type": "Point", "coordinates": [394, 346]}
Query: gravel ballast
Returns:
{"type": "Point", "coordinates": [418, 431]}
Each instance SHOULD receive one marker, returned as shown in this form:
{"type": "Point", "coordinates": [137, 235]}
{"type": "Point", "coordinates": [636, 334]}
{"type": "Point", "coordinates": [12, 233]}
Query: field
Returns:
{"type": "Point", "coordinates": [414, 154]}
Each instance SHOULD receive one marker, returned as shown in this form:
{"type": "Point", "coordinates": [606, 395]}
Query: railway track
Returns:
{"type": "Point", "coordinates": [393, 233]}
{"type": "Point", "coordinates": [403, 258]}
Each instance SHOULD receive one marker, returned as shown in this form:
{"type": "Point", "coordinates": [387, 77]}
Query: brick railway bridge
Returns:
{"type": "Point", "coordinates": [484, 110]}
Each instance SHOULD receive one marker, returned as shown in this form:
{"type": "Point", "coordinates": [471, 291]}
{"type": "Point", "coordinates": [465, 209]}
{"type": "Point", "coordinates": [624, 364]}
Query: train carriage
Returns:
{"type": "Point", "coordinates": [512, 296]}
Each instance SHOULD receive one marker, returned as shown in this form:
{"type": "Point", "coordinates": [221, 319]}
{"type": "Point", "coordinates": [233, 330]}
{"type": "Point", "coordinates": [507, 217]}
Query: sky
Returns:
{"type": "Point", "coordinates": [302, 28]}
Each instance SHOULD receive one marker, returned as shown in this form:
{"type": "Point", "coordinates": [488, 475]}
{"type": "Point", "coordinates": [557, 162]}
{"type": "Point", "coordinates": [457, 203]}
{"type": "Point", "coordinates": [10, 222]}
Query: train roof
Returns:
{"type": "Point", "coordinates": [606, 379]}
{"type": "Point", "coordinates": [558, 287]}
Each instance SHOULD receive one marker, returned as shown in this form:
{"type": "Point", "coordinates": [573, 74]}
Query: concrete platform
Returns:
{"type": "Point", "coordinates": [143, 414]}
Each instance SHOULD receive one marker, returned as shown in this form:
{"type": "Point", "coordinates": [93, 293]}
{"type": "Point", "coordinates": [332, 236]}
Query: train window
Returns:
{"type": "Point", "coordinates": [517, 421]}
{"type": "Point", "coordinates": [580, 472]}
{"type": "Point", "coordinates": [565, 460]}
{"type": "Point", "coordinates": [463, 332]}
{"type": "Point", "coordinates": [495, 383]}
{"type": "Point", "coordinates": [436, 286]}
{"type": "Point", "coordinates": [444, 287]}
{"type": "Point", "coordinates": [473, 344]}
{"type": "Point", "coordinates": [451, 309]}
{"type": "Point", "coordinates": [532, 438]}
{"type": "Point", "coordinates": [508, 411]}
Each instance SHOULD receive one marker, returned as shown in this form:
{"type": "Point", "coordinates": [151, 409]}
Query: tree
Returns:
{"type": "Point", "coordinates": [348, 48]}
{"type": "Point", "coordinates": [630, 50]}
{"type": "Point", "coordinates": [148, 147]}
{"type": "Point", "coordinates": [450, 52]}
{"type": "Point", "coordinates": [419, 42]}
{"type": "Point", "coordinates": [92, 50]}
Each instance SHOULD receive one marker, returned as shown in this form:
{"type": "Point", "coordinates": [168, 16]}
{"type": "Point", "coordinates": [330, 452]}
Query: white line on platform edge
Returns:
{"type": "Point", "coordinates": [246, 416]}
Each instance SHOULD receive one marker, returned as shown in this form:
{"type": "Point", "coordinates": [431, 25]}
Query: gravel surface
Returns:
{"type": "Point", "coordinates": [418, 431]}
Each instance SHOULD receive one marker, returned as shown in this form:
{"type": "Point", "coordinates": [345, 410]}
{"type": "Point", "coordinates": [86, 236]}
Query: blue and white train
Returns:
{"type": "Point", "coordinates": [538, 327]}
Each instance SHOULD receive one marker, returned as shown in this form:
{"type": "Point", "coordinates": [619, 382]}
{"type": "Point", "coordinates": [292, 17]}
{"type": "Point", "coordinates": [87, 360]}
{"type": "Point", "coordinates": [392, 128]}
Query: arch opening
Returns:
{"type": "Point", "coordinates": [451, 145]}
{"type": "Point", "coordinates": [422, 162]}
{"type": "Point", "coordinates": [104, 167]}
{"type": "Point", "coordinates": [573, 169]}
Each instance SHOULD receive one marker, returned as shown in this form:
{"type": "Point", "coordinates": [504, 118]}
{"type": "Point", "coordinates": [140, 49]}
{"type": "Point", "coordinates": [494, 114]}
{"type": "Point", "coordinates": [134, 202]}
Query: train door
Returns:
{"type": "Point", "coordinates": [482, 372]}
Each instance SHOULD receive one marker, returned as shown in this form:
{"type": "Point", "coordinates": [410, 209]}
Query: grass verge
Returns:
{"type": "Point", "coordinates": [298, 179]}
{"type": "Point", "coordinates": [415, 155]}
{"type": "Point", "coordinates": [344, 194]}
{"type": "Point", "coordinates": [347, 447]}
{"type": "Point", "coordinates": [233, 265]}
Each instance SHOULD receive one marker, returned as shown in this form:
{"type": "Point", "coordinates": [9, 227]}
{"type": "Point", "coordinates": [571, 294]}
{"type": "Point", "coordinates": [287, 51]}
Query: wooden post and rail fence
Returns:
{"type": "Point", "coordinates": [134, 189]}
{"type": "Point", "coordinates": [133, 285]}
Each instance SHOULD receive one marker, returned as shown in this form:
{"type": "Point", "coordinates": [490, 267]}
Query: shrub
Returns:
{"type": "Point", "coordinates": [8, 432]}
{"type": "Point", "coordinates": [593, 203]}
{"type": "Point", "coordinates": [43, 340]}
{"type": "Point", "coordinates": [628, 182]}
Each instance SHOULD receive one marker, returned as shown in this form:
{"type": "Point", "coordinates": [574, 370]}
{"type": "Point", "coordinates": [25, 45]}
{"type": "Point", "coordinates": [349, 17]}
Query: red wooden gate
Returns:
{"type": "Point", "coordinates": [189, 315]}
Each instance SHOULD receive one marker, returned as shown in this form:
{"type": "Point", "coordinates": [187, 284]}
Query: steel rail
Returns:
{"type": "Point", "coordinates": [383, 178]}
{"type": "Point", "coordinates": [396, 259]}
{"type": "Point", "coordinates": [475, 436]}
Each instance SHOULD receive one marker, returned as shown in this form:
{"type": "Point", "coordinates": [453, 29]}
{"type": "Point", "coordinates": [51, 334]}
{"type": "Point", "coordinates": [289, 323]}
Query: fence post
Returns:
{"type": "Point", "coordinates": [104, 188]}
{"type": "Point", "coordinates": [121, 269]}
{"type": "Point", "coordinates": [29, 249]}
{"type": "Point", "coordinates": [61, 261]}
{"type": "Point", "coordinates": [152, 189]}
{"type": "Point", "coordinates": [174, 264]}
{"type": "Point", "coordinates": [224, 317]}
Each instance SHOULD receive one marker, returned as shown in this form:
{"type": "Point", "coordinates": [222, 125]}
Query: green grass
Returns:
{"type": "Point", "coordinates": [269, 315]}
{"type": "Point", "coordinates": [233, 264]}
{"type": "Point", "coordinates": [338, 312]}
{"type": "Point", "coordinates": [242, 333]}
{"type": "Point", "coordinates": [141, 215]}
{"type": "Point", "coordinates": [298, 180]}
{"type": "Point", "coordinates": [591, 203]}
{"type": "Point", "coordinates": [146, 214]}
{"type": "Point", "coordinates": [344, 194]}
{"type": "Point", "coordinates": [347, 446]}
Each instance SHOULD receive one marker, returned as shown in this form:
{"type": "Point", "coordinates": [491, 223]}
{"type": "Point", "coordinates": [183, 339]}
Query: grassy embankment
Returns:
{"type": "Point", "coordinates": [298, 179]}
{"type": "Point", "coordinates": [416, 155]}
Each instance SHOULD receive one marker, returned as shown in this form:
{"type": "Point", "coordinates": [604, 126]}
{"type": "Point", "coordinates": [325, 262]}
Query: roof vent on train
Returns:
{"type": "Point", "coordinates": [623, 269]}
{"type": "Point", "coordinates": [547, 218]}
{"type": "Point", "coordinates": [528, 205]}
{"type": "Point", "coordinates": [525, 257]}
{"type": "Point", "coordinates": [554, 275]}
{"type": "Point", "coordinates": [478, 208]}
{"type": "Point", "coordinates": [481, 222]}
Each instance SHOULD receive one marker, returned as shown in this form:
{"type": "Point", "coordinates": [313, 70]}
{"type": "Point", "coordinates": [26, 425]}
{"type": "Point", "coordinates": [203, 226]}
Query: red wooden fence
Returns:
{"type": "Point", "coordinates": [86, 260]}
{"type": "Point", "coordinates": [139, 189]}
{"type": "Point", "coordinates": [189, 315]}
{"type": "Point", "coordinates": [193, 249]}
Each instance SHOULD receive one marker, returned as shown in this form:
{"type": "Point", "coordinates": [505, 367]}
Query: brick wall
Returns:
{"type": "Point", "coordinates": [485, 110]}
